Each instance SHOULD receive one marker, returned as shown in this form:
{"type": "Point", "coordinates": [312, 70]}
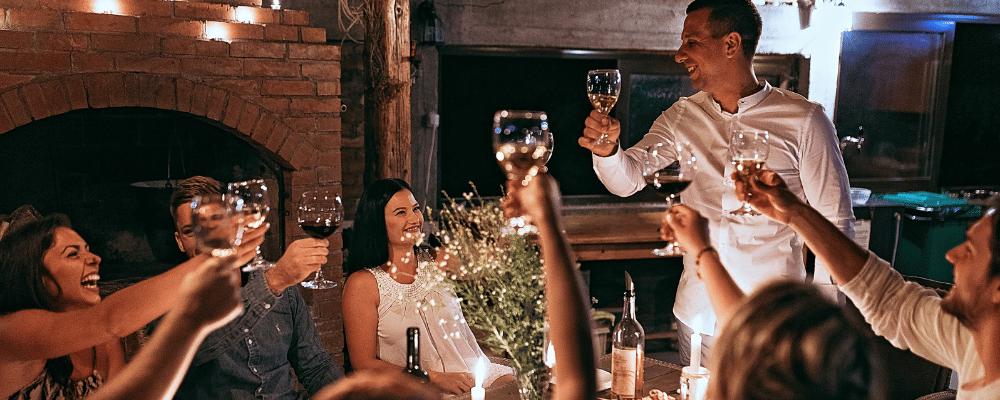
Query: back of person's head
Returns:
{"type": "Point", "coordinates": [787, 341]}
{"type": "Point", "coordinates": [378, 385]}
{"type": "Point", "coordinates": [369, 240]}
{"type": "Point", "coordinates": [994, 204]}
{"type": "Point", "coordinates": [22, 266]}
{"type": "Point", "coordinates": [727, 16]}
{"type": "Point", "coordinates": [192, 187]}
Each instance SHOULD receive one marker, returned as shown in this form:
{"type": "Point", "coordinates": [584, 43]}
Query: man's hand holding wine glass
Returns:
{"type": "Point", "coordinates": [302, 259]}
{"type": "Point", "coordinates": [599, 125]}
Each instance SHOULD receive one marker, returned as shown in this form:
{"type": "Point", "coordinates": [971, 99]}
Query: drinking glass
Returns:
{"type": "Point", "coordinates": [603, 87]}
{"type": "Point", "coordinates": [217, 226]}
{"type": "Point", "coordinates": [320, 214]}
{"type": "Point", "coordinates": [748, 148]}
{"type": "Point", "coordinates": [669, 180]}
{"type": "Point", "coordinates": [253, 194]}
{"type": "Point", "coordinates": [523, 144]}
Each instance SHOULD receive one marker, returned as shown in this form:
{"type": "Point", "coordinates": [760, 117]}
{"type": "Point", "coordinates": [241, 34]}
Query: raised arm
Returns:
{"type": "Point", "coordinates": [39, 334]}
{"type": "Point", "coordinates": [769, 194]}
{"type": "Point", "coordinates": [690, 229]}
{"type": "Point", "coordinates": [570, 325]}
{"type": "Point", "coordinates": [209, 298]}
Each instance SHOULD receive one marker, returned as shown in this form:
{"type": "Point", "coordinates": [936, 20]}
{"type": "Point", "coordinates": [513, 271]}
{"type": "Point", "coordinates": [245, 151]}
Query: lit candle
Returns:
{"type": "Point", "coordinates": [478, 393]}
{"type": "Point", "coordinates": [696, 343]}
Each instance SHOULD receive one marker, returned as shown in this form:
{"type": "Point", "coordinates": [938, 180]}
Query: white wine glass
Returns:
{"type": "Point", "coordinates": [603, 88]}
{"type": "Point", "coordinates": [669, 180]}
{"type": "Point", "coordinates": [217, 225]}
{"type": "Point", "coordinates": [523, 144]}
{"type": "Point", "coordinates": [320, 214]}
{"type": "Point", "coordinates": [253, 195]}
{"type": "Point", "coordinates": [748, 148]}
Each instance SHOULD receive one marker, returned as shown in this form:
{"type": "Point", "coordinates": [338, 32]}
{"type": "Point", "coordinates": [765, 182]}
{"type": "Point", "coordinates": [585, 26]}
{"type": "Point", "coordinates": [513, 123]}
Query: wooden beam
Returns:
{"type": "Point", "coordinates": [387, 90]}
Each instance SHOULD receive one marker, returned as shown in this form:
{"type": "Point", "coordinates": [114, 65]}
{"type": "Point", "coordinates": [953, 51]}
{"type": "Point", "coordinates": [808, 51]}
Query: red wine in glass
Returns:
{"type": "Point", "coordinates": [319, 230]}
{"type": "Point", "coordinates": [320, 214]}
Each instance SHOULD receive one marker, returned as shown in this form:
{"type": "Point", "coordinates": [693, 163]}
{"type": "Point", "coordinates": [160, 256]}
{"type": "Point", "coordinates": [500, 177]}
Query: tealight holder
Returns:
{"type": "Point", "coordinates": [694, 383]}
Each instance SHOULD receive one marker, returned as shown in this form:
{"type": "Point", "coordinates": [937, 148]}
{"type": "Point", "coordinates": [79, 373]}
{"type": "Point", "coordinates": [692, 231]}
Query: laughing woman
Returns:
{"type": "Point", "coordinates": [390, 295]}
{"type": "Point", "coordinates": [59, 340]}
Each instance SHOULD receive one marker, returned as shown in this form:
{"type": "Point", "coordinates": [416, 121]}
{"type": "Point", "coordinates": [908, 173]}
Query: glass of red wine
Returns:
{"type": "Point", "coordinates": [671, 179]}
{"type": "Point", "coordinates": [320, 214]}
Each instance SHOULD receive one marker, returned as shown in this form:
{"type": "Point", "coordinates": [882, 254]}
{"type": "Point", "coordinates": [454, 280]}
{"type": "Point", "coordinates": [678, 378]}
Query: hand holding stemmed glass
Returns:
{"type": "Point", "coordinates": [669, 180]}
{"type": "Point", "coordinates": [217, 225]}
{"type": "Point", "coordinates": [523, 144]}
{"type": "Point", "coordinates": [255, 206]}
{"type": "Point", "coordinates": [748, 149]}
{"type": "Point", "coordinates": [320, 214]}
{"type": "Point", "coordinates": [603, 88]}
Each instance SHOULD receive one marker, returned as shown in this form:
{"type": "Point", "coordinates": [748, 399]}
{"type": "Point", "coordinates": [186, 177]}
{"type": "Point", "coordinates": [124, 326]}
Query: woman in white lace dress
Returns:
{"type": "Point", "coordinates": [390, 294]}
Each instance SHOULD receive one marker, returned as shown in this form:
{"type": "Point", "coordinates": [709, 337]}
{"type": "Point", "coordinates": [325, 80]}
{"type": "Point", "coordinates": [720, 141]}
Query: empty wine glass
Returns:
{"type": "Point", "coordinates": [603, 87]}
{"type": "Point", "coordinates": [320, 214]}
{"type": "Point", "coordinates": [523, 144]}
{"type": "Point", "coordinates": [669, 180]}
{"type": "Point", "coordinates": [216, 225]}
{"type": "Point", "coordinates": [253, 194]}
{"type": "Point", "coordinates": [748, 148]}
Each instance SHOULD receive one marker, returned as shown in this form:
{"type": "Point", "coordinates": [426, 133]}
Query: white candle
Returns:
{"type": "Point", "coordinates": [478, 393]}
{"type": "Point", "coordinates": [696, 343]}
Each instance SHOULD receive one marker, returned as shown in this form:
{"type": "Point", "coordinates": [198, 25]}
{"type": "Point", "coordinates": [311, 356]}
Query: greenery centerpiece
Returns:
{"type": "Point", "coordinates": [500, 284]}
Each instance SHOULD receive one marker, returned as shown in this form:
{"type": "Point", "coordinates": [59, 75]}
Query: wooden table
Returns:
{"type": "Point", "coordinates": [613, 233]}
{"type": "Point", "coordinates": [656, 375]}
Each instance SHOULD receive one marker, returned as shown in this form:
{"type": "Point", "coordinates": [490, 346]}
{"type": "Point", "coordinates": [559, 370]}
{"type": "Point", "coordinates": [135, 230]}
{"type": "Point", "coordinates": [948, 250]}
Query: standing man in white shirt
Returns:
{"type": "Point", "coordinates": [718, 44]}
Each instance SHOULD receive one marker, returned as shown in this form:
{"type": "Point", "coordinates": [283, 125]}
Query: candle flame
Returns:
{"type": "Point", "coordinates": [480, 371]}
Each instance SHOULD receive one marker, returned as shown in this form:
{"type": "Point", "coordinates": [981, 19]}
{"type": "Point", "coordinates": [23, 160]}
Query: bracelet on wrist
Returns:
{"type": "Point", "coordinates": [697, 258]}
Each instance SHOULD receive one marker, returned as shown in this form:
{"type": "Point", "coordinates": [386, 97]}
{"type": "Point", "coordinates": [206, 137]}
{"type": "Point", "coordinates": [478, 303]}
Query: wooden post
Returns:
{"type": "Point", "coordinates": [387, 90]}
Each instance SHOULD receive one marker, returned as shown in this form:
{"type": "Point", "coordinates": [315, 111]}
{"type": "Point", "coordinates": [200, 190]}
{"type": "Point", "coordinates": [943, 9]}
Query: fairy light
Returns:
{"type": "Point", "coordinates": [246, 15]}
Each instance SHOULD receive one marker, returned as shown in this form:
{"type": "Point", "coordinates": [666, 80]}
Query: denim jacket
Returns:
{"type": "Point", "coordinates": [253, 356]}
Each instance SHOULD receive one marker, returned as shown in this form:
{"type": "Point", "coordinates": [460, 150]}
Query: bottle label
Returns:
{"type": "Point", "coordinates": [624, 371]}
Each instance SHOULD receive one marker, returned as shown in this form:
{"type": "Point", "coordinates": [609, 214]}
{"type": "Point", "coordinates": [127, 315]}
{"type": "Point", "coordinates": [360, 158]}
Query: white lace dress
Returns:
{"type": "Point", "coordinates": [446, 341]}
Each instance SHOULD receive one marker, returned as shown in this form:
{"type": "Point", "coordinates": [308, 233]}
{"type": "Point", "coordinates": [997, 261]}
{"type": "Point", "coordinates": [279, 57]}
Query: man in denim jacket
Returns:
{"type": "Point", "coordinates": [253, 357]}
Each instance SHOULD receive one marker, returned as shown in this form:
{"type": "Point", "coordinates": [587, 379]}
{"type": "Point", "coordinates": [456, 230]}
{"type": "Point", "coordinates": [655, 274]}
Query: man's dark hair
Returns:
{"type": "Point", "coordinates": [369, 241]}
{"type": "Point", "coordinates": [190, 188]}
{"type": "Point", "coordinates": [727, 16]}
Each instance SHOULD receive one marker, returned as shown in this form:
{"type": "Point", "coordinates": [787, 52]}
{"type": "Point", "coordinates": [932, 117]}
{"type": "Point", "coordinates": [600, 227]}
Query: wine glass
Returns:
{"type": "Point", "coordinates": [320, 214]}
{"type": "Point", "coordinates": [523, 144]}
{"type": "Point", "coordinates": [216, 225]}
{"type": "Point", "coordinates": [669, 180]}
{"type": "Point", "coordinates": [603, 87]}
{"type": "Point", "coordinates": [253, 194]}
{"type": "Point", "coordinates": [748, 148]}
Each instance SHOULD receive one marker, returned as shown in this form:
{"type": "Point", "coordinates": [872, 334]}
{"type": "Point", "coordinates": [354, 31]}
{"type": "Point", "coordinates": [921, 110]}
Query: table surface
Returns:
{"type": "Point", "coordinates": [613, 234]}
{"type": "Point", "coordinates": [656, 375]}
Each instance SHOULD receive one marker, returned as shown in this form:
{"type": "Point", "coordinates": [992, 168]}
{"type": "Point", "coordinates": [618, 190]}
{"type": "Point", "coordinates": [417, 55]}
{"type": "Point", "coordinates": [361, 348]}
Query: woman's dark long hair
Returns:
{"type": "Point", "coordinates": [22, 267]}
{"type": "Point", "coordinates": [369, 245]}
{"type": "Point", "coordinates": [23, 272]}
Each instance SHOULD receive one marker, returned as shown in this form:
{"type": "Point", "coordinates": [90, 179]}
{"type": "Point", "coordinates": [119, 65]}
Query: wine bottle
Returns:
{"type": "Point", "coordinates": [628, 349]}
{"type": "Point", "coordinates": [413, 354]}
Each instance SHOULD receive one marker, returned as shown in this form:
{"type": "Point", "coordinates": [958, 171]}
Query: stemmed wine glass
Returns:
{"type": "Point", "coordinates": [669, 180]}
{"type": "Point", "coordinates": [253, 194]}
{"type": "Point", "coordinates": [217, 225]}
{"type": "Point", "coordinates": [603, 87]}
{"type": "Point", "coordinates": [320, 214]}
{"type": "Point", "coordinates": [523, 144]}
{"type": "Point", "coordinates": [748, 149]}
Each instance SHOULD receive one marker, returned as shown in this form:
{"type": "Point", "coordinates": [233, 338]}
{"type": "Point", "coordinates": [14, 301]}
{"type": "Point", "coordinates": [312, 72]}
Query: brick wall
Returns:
{"type": "Point", "coordinates": [272, 81]}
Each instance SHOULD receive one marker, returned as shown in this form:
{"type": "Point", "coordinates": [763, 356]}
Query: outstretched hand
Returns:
{"type": "Point", "coordinates": [536, 202]}
{"type": "Point", "coordinates": [210, 294]}
{"type": "Point", "coordinates": [686, 226]}
{"type": "Point", "coordinates": [303, 257]}
{"type": "Point", "coordinates": [767, 193]}
{"type": "Point", "coordinates": [596, 125]}
{"type": "Point", "coordinates": [250, 239]}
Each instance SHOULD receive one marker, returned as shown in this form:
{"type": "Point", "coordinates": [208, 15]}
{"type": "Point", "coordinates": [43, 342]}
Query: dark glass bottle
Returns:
{"type": "Point", "coordinates": [413, 354]}
{"type": "Point", "coordinates": [628, 349]}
